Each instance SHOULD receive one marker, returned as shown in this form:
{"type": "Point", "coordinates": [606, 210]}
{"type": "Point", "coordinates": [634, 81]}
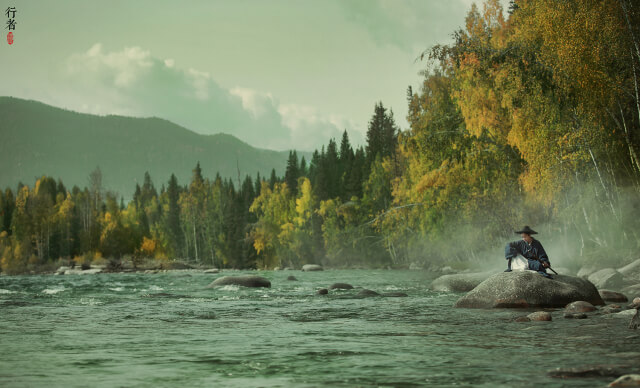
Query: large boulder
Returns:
{"type": "Point", "coordinates": [631, 272]}
{"type": "Point", "coordinates": [633, 290]}
{"type": "Point", "coordinates": [612, 296]}
{"type": "Point", "coordinates": [245, 281]}
{"type": "Point", "coordinates": [529, 289]}
{"type": "Point", "coordinates": [607, 278]}
{"type": "Point", "coordinates": [311, 267]}
{"type": "Point", "coordinates": [462, 282]}
{"type": "Point", "coordinates": [585, 271]}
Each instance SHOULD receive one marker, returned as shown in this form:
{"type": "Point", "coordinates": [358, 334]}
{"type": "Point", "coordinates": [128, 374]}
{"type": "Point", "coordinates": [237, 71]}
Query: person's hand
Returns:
{"type": "Point", "coordinates": [545, 264]}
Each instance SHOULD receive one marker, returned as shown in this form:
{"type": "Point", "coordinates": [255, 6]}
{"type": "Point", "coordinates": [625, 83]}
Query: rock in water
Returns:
{"type": "Point", "coordinates": [579, 306]}
{"type": "Point", "coordinates": [584, 272]}
{"type": "Point", "coordinates": [311, 267]}
{"type": "Point", "coordinates": [395, 295]}
{"type": "Point", "coordinates": [529, 289]}
{"type": "Point", "coordinates": [341, 286]}
{"type": "Point", "coordinates": [245, 281]}
{"type": "Point", "coordinates": [631, 272]}
{"type": "Point", "coordinates": [461, 282]}
{"type": "Point", "coordinates": [612, 296]}
{"type": "Point", "coordinates": [626, 381]}
{"type": "Point", "coordinates": [292, 278]}
{"type": "Point", "coordinates": [607, 278]}
{"type": "Point", "coordinates": [540, 316]}
{"type": "Point", "coordinates": [635, 321]}
{"type": "Point", "coordinates": [322, 291]}
{"type": "Point", "coordinates": [575, 316]}
{"type": "Point", "coordinates": [367, 293]}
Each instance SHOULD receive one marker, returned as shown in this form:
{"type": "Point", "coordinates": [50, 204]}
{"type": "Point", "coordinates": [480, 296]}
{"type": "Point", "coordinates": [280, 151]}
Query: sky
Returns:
{"type": "Point", "coordinates": [276, 74]}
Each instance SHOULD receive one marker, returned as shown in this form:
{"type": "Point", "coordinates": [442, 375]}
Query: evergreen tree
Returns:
{"type": "Point", "coordinates": [355, 176]}
{"type": "Point", "coordinates": [273, 179]}
{"type": "Point", "coordinates": [148, 190]}
{"type": "Point", "coordinates": [331, 168]}
{"type": "Point", "coordinates": [173, 227]}
{"type": "Point", "coordinates": [303, 167]}
{"type": "Point", "coordinates": [197, 175]}
{"type": "Point", "coordinates": [7, 210]}
{"type": "Point", "coordinates": [292, 173]}
{"type": "Point", "coordinates": [375, 133]}
{"type": "Point", "coordinates": [257, 184]}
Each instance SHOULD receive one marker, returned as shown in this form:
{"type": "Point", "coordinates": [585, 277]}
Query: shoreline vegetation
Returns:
{"type": "Point", "coordinates": [531, 116]}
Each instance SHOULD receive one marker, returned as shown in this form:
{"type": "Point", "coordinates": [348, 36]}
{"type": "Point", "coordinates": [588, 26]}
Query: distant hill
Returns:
{"type": "Point", "coordinates": [38, 139]}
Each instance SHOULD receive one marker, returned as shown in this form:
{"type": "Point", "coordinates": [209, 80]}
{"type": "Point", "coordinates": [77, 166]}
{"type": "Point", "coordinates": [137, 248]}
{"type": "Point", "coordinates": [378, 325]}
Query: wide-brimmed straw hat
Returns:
{"type": "Point", "coordinates": [526, 230]}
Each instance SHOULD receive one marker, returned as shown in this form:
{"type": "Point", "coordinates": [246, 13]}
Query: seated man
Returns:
{"type": "Point", "coordinates": [528, 252]}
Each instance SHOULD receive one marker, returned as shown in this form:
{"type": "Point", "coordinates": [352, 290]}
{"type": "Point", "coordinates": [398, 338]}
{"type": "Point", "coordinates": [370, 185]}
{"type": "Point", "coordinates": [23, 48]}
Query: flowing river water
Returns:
{"type": "Point", "coordinates": [168, 329]}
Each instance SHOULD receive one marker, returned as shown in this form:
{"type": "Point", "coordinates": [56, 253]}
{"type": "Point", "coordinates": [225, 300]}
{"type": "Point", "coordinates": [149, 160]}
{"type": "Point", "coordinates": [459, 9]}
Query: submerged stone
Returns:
{"type": "Point", "coordinates": [245, 281]}
{"type": "Point", "coordinates": [575, 315]}
{"type": "Point", "coordinates": [292, 278]}
{"type": "Point", "coordinates": [395, 295]}
{"type": "Point", "coordinates": [341, 286]}
{"type": "Point", "coordinates": [367, 293]}
{"type": "Point", "coordinates": [322, 291]}
{"type": "Point", "coordinates": [590, 371]}
{"type": "Point", "coordinates": [529, 289]}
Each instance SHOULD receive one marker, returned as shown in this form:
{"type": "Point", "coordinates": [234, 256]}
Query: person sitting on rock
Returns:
{"type": "Point", "coordinates": [527, 253]}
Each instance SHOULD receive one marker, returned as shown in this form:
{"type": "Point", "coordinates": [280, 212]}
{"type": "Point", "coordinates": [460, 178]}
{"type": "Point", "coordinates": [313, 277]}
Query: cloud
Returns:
{"type": "Point", "coordinates": [406, 24]}
{"type": "Point", "coordinates": [133, 82]}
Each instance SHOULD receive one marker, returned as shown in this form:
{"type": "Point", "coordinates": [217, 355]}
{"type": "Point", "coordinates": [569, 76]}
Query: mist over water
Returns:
{"type": "Point", "coordinates": [586, 229]}
{"type": "Point", "coordinates": [168, 329]}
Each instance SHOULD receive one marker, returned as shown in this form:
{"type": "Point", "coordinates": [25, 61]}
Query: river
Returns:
{"type": "Point", "coordinates": [168, 329]}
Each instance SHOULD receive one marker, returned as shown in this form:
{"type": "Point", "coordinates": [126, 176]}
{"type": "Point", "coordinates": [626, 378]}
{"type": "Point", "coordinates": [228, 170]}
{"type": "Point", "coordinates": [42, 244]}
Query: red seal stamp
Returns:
{"type": "Point", "coordinates": [10, 38]}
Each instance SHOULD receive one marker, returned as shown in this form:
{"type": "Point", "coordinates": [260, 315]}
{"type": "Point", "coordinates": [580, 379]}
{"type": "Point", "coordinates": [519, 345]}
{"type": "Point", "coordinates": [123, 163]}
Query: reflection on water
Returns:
{"type": "Point", "coordinates": [169, 329]}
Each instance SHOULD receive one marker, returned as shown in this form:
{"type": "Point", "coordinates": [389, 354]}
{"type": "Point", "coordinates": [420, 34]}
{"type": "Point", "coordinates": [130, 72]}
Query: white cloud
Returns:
{"type": "Point", "coordinates": [131, 81]}
{"type": "Point", "coordinates": [309, 127]}
{"type": "Point", "coordinates": [255, 102]}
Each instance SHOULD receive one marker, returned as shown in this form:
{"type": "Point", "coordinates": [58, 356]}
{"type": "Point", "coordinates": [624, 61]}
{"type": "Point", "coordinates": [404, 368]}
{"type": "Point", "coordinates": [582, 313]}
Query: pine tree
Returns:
{"type": "Point", "coordinates": [292, 173]}
{"type": "Point", "coordinates": [273, 179]}
{"type": "Point", "coordinates": [375, 133]}
{"type": "Point", "coordinates": [174, 230]}
{"type": "Point", "coordinates": [303, 167]}
{"type": "Point", "coordinates": [7, 210]}
{"type": "Point", "coordinates": [331, 167]}
{"type": "Point", "coordinates": [148, 190]}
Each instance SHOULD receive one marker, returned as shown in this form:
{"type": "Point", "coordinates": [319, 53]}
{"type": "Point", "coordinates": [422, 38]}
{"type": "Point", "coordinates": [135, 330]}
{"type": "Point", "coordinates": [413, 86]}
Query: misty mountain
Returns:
{"type": "Point", "coordinates": [37, 139]}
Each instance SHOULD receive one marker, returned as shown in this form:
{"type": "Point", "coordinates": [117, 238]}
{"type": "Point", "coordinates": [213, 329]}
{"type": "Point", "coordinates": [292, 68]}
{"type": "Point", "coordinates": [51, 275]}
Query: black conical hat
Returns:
{"type": "Point", "coordinates": [527, 230]}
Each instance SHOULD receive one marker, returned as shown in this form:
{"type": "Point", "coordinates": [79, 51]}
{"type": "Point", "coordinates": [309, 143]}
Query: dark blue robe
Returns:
{"type": "Point", "coordinates": [530, 252]}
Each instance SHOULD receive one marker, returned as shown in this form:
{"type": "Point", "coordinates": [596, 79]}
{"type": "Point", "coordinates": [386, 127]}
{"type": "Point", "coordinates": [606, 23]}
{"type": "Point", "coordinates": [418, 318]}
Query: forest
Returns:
{"type": "Point", "coordinates": [531, 116]}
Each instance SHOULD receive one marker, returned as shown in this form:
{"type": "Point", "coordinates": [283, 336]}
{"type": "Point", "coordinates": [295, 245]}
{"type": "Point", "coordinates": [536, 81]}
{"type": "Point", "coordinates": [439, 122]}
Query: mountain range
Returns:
{"type": "Point", "coordinates": [38, 139]}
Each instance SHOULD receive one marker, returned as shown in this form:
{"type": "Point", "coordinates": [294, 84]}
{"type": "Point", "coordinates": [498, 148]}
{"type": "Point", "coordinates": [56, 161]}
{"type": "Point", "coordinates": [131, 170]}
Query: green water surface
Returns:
{"type": "Point", "coordinates": [168, 329]}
